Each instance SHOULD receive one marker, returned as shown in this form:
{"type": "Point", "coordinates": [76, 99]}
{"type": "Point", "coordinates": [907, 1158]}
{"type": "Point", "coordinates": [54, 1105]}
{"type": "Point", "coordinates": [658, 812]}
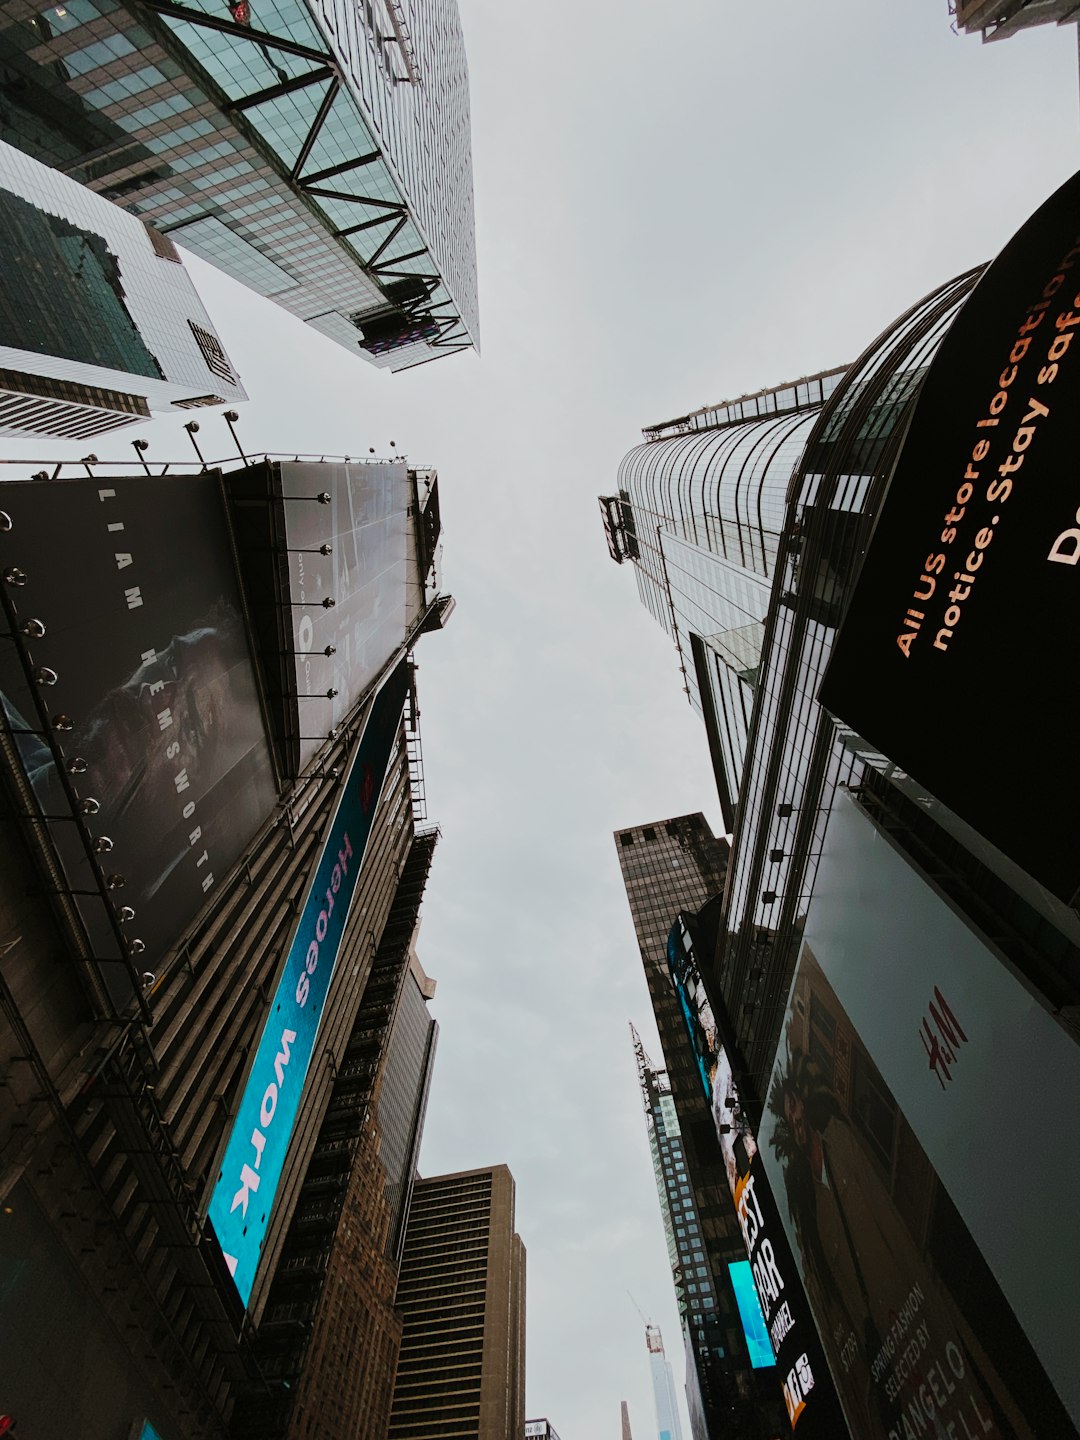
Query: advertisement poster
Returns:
{"type": "Point", "coordinates": [243, 1198]}
{"type": "Point", "coordinates": [367, 574]}
{"type": "Point", "coordinates": [890, 1137]}
{"type": "Point", "coordinates": [789, 1331]}
{"type": "Point", "coordinates": [961, 630]}
{"type": "Point", "coordinates": [143, 647]}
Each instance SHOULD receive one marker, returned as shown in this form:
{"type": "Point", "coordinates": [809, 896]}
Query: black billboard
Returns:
{"type": "Point", "coordinates": [144, 651]}
{"type": "Point", "coordinates": [330, 571]}
{"type": "Point", "coordinates": [954, 658]}
{"type": "Point", "coordinates": [890, 1112]}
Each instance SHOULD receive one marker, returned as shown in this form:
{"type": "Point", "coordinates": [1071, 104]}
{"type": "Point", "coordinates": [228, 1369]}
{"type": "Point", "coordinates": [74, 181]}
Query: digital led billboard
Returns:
{"type": "Point", "coordinates": [753, 1321]}
{"type": "Point", "coordinates": [955, 656]}
{"type": "Point", "coordinates": [787, 1328]}
{"type": "Point", "coordinates": [251, 1168]}
{"type": "Point", "coordinates": [143, 649]}
{"type": "Point", "coordinates": [929, 1220]}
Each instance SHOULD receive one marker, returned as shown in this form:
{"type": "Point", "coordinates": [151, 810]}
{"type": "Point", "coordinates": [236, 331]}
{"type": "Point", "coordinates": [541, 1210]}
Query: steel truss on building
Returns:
{"type": "Point", "coordinates": [451, 334]}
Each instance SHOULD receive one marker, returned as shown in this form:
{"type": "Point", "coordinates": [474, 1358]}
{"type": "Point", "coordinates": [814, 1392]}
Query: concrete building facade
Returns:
{"type": "Point", "coordinates": [461, 1296]}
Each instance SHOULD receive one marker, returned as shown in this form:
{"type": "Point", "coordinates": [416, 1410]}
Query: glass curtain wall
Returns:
{"type": "Point", "coordinates": [708, 511]}
{"type": "Point", "coordinates": [794, 760]}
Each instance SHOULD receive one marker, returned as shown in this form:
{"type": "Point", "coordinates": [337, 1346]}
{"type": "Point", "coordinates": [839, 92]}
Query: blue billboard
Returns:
{"type": "Point", "coordinates": [251, 1169]}
{"type": "Point", "coordinates": [753, 1321]}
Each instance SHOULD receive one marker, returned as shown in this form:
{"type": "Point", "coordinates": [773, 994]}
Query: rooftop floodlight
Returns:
{"type": "Point", "coordinates": [231, 417]}
{"type": "Point", "coordinates": [102, 845]}
{"type": "Point", "coordinates": [124, 914]}
{"type": "Point", "coordinates": [77, 765]}
{"type": "Point", "coordinates": [63, 723]}
{"type": "Point", "coordinates": [137, 947]}
{"type": "Point", "coordinates": [46, 675]}
{"type": "Point", "coordinates": [141, 444]}
{"type": "Point", "coordinates": [192, 427]}
{"type": "Point", "coordinates": [34, 629]}
{"type": "Point", "coordinates": [89, 806]}
{"type": "Point", "coordinates": [40, 475]}
{"type": "Point", "coordinates": [114, 882]}
{"type": "Point", "coordinates": [14, 576]}
{"type": "Point", "coordinates": [89, 460]}
{"type": "Point", "coordinates": [5, 521]}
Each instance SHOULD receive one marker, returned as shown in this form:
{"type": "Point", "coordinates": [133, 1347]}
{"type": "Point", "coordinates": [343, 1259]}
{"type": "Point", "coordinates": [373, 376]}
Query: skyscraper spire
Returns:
{"type": "Point", "coordinates": [626, 1435]}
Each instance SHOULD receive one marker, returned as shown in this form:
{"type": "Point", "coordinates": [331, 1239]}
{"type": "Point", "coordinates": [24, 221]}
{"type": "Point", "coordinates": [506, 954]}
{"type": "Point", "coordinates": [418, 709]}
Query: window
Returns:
{"type": "Point", "coordinates": [648, 833]}
{"type": "Point", "coordinates": [874, 1109]}
{"type": "Point", "coordinates": [626, 838]}
{"type": "Point", "coordinates": [216, 359]}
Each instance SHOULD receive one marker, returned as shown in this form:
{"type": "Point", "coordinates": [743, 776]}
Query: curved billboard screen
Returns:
{"type": "Point", "coordinates": [955, 657]}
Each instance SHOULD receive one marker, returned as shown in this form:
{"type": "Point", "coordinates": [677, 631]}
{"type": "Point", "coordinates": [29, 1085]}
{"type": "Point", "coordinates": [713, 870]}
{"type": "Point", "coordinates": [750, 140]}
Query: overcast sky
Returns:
{"type": "Point", "coordinates": [675, 204]}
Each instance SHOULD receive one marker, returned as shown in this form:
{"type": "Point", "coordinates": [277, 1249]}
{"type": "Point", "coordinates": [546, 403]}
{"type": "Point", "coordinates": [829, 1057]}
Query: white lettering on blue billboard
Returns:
{"type": "Point", "coordinates": [251, 1170]}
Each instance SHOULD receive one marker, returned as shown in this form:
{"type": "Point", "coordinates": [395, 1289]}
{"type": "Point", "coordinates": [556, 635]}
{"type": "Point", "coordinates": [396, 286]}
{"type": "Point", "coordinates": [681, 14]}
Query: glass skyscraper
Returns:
{"type": "Point", "coordinates": [667, 1415]}
{"type": "Point", "coordinates": [316, 150]}
{"type": "Point", "coordinates": [881, 962]}
{"type": "Point", "coordinates": [772, 497]}
{"type": "Point", "coordinates": [700, 511]}
{"type": "Point", "coordinates": [100, 323]}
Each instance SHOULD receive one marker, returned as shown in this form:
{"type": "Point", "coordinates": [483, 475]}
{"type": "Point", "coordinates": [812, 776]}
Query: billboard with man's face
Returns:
{"type": "Point", "coordinates": [143, 648]}
{"type": "Point", "coordinates": [922, 1130]}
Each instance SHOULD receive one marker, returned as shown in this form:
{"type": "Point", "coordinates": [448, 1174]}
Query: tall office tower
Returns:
{"type": "Point", "coordinates": [99, 321]}
{"type": "Point", "coordinates": [461, 1295]}
{"type": "Point", "coordinates": [667, 1414]}
{"type": "Point", "coordinates": [699, 512]}
{"type": "Point", "coordinates": [995, 19]}
{"type": "Point", "coordinates": [626, 1432]}
{"type": "Point", "coordinates": [212, 863]}
{"type": "Point", "coordinates": [667, 867]}
{"type": "Point", "coordinates": [898, 937]}
{"type": "Point", "coordinates": [320, 154]}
